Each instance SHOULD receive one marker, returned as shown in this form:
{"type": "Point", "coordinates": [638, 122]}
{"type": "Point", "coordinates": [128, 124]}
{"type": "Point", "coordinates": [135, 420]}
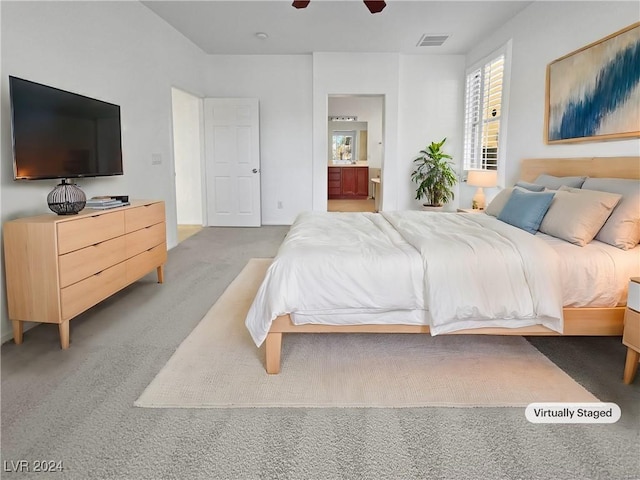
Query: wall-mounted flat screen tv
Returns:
{"type": "Point", "coordinates": [59, 134]}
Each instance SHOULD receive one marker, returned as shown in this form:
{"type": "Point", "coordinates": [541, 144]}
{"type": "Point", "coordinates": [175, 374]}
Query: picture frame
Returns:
{"type": "Point", "coordinates": [593, 94]}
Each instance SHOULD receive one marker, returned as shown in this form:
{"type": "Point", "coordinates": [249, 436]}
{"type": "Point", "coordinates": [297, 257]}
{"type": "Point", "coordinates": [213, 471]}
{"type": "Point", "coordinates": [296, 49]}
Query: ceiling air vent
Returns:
{"type": "Point", "coordinates": [428, 40]}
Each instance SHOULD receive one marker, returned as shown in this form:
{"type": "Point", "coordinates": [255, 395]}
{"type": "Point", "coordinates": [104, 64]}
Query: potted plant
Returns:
{"type": "Point", "coordinates": [434, 176]}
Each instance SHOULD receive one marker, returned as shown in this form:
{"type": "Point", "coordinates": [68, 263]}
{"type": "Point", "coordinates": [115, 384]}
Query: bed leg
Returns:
{"type": "Point", "coordinates": [273, 347]}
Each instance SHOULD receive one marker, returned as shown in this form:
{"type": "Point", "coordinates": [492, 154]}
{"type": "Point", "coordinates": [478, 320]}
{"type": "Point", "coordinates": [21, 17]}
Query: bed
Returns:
{"type": "Point", "coordinates": [426, 272]}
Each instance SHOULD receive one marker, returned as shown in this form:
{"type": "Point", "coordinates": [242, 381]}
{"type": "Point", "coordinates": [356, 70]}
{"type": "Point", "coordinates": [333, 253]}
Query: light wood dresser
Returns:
{"type": "Point", "coordinates": [56, 267]}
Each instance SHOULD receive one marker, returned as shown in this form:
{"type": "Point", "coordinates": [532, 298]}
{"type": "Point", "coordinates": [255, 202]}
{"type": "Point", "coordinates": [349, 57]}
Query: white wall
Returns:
{"type": "Point", "coordinates": [290, 124]}
{"type": "Point", "coordinates": [431, 107]}
{"type": "Point", "coordinates": [187, 155]}
{"type": "Point", "coordinates": [115, 51]}
{"type": "Point", "coordinates": [541, 33]}
{"type": "Point", "coordinates": [359, 74]}
{"type": "Point", "coordinates": [282, 84]}
{"type": "Point", "coordinates": [422, 102]}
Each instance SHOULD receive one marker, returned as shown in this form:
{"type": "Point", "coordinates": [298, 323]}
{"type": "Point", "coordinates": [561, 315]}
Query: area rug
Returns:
{"type": "Point", "coordinates": [219, 366]}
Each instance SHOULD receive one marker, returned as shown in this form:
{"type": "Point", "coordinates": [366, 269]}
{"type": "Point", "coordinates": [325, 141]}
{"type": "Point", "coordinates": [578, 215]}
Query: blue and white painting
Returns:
{"type": "Point", "coordinates": [595, 92]}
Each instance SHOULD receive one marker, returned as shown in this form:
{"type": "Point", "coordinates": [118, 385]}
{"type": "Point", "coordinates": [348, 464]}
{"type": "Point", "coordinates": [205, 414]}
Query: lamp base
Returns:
{"type": "Point", "coordinates": [479, 199]}
{"type": "Point", "coordinates": [66, 199]}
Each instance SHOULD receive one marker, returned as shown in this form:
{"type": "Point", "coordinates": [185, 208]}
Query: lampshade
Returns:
{"type": "Point", "coordinates": [482, 178]}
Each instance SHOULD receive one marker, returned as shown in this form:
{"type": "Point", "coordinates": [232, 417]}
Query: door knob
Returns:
{"type": "Point", "coordinates": [255, 170]}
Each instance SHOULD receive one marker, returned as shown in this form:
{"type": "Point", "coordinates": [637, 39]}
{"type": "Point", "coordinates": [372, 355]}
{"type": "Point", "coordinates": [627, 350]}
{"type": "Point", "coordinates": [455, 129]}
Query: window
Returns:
{"type": "Point", "coordinates": [483, 113]}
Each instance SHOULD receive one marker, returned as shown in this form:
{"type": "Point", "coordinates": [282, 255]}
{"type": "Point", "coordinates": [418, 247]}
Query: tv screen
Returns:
{"type": "Point", "coordinates": [59, 134]}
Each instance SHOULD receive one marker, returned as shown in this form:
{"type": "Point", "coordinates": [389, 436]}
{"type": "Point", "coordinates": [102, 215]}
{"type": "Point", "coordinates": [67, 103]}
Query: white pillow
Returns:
{"type": "Point", "coordinates": [622, 228]}
{"type": "Point", "coordinates": [499, 201]}
{"type": "Point", "coordinates": [577, 215]}
{"type": "Point", "coordinates": [554, 183]}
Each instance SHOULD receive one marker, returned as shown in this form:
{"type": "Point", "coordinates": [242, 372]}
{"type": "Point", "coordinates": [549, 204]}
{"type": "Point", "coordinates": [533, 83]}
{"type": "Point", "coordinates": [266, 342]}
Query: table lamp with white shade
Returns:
{"type": "Point", "coordinates": [481, 179]}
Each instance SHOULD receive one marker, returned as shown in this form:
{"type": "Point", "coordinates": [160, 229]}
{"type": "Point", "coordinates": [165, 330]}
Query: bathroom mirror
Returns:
{"type": "Point", "coordinates": [347, 142]}
{"type": "Point", "coordinates": [343, 146]}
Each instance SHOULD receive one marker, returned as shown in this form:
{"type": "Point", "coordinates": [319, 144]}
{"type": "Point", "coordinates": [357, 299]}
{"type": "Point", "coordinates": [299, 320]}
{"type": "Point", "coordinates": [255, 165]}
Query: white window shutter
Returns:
{"type": "Point", "coordinates": [472, 119]}
{"type": "Point", "coordinates": [483, 113]}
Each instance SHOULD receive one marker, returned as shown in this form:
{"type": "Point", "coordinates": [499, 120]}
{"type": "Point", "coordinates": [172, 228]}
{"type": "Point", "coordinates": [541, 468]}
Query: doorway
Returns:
{"type": "Point", "coordinates": [355, 152]}
{"type": "Point", "coordinates": [187, 154]}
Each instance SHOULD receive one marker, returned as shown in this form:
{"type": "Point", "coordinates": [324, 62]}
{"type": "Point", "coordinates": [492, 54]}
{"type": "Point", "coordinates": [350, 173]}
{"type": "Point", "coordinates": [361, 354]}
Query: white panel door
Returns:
{"type": "Point", "coordinates": [232, 150]}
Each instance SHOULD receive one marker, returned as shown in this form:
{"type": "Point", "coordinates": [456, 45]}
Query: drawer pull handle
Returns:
{"type": "Point", "coordinates": [98, 274]}
{"type": "Point", "coordinates": [95, 216]}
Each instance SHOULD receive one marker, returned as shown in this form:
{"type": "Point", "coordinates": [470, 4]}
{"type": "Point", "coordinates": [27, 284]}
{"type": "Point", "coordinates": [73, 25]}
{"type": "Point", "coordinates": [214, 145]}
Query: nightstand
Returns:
{"type": "Point", "coordinates": [469, 210]}
{"type": "Point", "coordinates": [631, 334]}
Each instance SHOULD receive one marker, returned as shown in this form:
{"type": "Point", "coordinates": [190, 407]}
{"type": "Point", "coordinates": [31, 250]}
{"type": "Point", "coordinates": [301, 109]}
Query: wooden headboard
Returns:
{"type": "Point", "coordinates": [598, 167]}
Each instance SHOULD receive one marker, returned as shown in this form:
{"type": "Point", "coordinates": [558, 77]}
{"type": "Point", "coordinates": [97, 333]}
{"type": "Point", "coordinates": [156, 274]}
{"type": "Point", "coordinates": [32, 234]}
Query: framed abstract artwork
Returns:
{"type": "Point", "coordinates": [593, 93]}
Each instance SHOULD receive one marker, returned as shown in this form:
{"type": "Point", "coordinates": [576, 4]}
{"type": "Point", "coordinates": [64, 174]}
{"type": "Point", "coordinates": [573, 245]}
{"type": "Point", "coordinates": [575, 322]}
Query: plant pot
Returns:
{"type": "Point", "coordinates": [433, 208]}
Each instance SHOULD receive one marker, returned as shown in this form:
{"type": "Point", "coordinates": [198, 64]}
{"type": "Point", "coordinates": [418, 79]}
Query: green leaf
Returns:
{"type": "Point", "coordinates": [434, 174]}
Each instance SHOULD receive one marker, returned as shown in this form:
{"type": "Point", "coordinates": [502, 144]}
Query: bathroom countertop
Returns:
{"type": "Point", "coordinates": [357, 164]}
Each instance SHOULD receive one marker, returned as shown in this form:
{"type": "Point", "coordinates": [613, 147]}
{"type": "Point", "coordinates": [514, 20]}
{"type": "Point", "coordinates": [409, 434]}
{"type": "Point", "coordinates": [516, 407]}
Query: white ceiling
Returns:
{"type": "Point", "coordinates": [230, 27]}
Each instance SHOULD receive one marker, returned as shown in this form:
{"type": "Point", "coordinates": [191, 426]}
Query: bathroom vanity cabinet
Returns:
{"type": "Point", "coordinates": [348, 182]}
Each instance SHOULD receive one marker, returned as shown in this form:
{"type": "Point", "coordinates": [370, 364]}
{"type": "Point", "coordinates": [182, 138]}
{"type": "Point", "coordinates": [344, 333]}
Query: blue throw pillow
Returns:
{"type": "Point", "coordinates": [533, 187]}
{"type": "Point", "coordinates": [526, 210]}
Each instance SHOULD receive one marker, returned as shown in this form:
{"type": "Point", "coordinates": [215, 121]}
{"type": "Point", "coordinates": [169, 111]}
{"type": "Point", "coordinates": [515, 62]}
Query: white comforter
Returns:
{"type": "Point", "coordinates": [480, 272]}
{"type": "Point", "coordinates": [448, 271]}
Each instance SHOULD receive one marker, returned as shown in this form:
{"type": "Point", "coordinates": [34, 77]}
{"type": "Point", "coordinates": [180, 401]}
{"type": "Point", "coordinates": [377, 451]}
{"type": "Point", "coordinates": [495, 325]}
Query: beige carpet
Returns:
{"type": "Point", "coordinates": [218, 365]}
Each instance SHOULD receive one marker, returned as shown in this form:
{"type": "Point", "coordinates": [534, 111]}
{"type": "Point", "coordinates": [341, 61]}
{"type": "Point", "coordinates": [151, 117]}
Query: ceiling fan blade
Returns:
{"type": "Point", "coordinates": [374, 6]}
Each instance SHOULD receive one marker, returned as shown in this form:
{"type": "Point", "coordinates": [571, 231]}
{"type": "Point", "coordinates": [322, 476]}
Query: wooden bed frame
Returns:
{"type": "Point", "coordinates": [577, 321]}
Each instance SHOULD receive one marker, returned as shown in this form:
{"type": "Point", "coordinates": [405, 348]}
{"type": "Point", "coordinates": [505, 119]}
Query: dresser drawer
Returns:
{"type": "Point", "coordinates": [145, 262]}
{"type": "Point", "coordinates": [631, 335]}
{"type": "Point", "coordinates": [144, 216]}
{"type": "Point", "coordinates": [83, 263]}
{"type": "Point", "coordinates": [82, 232]}
{"type": "Point", "coordinates": [80, 296]}
{"type": "Point", "coordinates": [145, 238]}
